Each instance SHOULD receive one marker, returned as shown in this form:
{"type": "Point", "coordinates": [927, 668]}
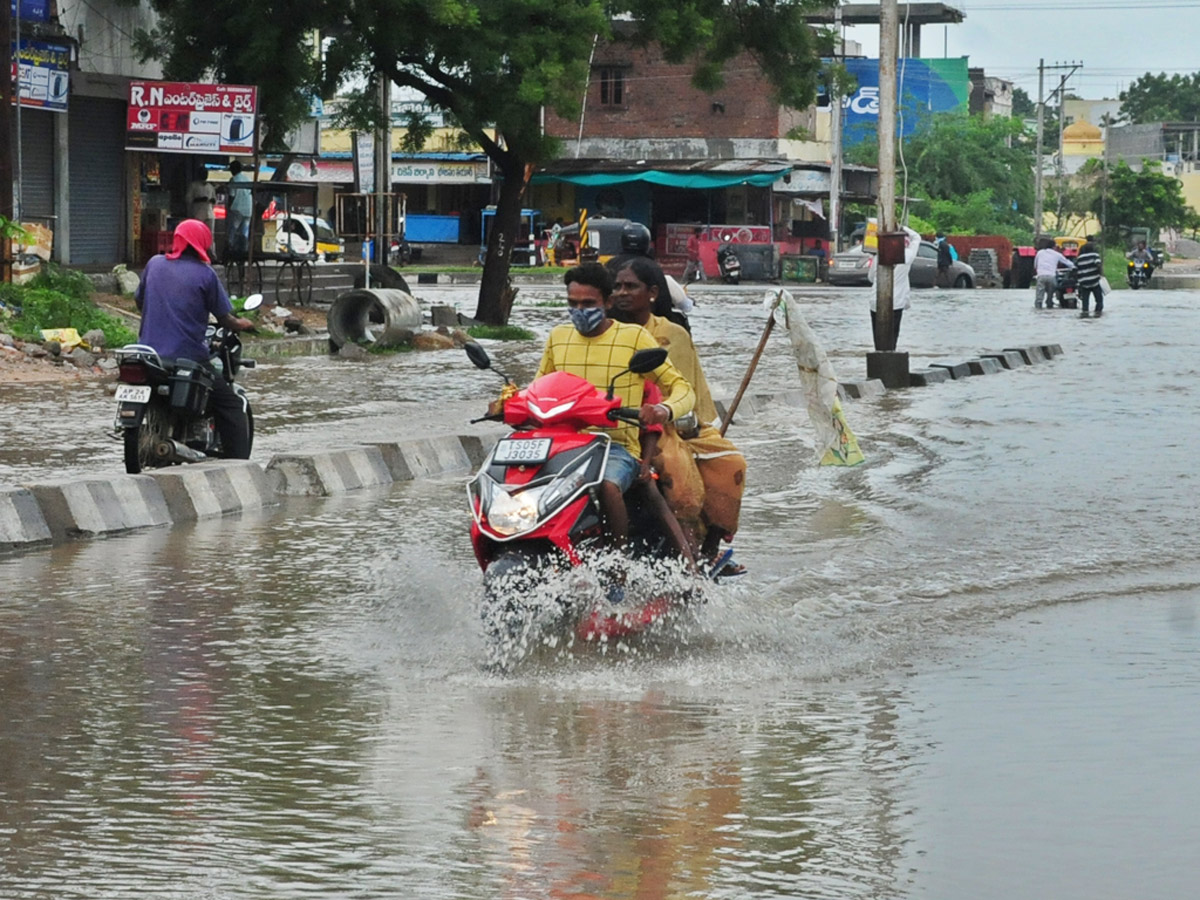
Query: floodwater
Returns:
{"type": "Point", "coordinates": [963, 669]}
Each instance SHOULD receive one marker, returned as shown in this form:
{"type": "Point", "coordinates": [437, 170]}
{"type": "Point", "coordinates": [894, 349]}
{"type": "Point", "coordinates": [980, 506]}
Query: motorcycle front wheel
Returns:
{"type": "Point", "coordinates": [140, 441]}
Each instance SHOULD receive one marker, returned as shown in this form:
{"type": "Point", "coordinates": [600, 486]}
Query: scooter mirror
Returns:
{"type": "Point", "coordinates": [478, 355]}
{"type": "Point", "coordinates": [254, 301]}
{"type": "Point", "coordinates": [647, 360]}
{"type": "Point", "coordinates": [641, 362]}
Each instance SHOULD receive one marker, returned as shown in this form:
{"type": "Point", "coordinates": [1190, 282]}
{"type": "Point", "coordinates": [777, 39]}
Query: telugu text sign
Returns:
{"type": "Point", "coordinates": [185, 117]}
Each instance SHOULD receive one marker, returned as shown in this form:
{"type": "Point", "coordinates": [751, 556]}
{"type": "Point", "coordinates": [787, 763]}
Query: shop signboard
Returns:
{"type": "Point", "coordinates": [434, 171]}
{"type": "Point", "coordinates": [186, 117]}
{"type": "Point", "coordinates": [925, 87]}
{"type": "Point", "coordinates": [44, 75]}
{"type": "Point", "coordinates": [31, 10]}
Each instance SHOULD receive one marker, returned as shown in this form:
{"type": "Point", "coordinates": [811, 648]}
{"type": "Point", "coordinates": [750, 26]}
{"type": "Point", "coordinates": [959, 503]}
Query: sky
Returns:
{"type": "Point", "coordinates": [1117, 42]}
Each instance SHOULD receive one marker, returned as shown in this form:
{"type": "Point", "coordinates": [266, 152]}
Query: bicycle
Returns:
{"type": "Point", "coordinates": [243, 278]}
{"type": "Point", "coordinates": [294, 281]}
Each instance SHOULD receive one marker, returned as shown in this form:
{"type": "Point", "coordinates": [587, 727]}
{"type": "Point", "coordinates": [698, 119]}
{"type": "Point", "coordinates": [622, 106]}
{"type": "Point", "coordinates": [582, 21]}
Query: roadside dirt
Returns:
{"type": "Point", "coordinates": [18, 366]}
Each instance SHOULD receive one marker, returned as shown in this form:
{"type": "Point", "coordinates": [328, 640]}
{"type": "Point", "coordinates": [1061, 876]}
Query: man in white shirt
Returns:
{"type": "Point", "coordinates": [1045, 267]}
{"type": "Point", "coordinates": [901, 288]}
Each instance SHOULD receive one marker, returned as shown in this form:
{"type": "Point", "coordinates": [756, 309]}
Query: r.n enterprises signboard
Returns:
{"type": "Point", "coordinates": [185, 117]}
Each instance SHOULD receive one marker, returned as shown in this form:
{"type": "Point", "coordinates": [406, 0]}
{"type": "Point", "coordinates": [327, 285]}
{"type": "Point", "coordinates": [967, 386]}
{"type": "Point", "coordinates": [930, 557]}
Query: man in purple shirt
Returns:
{"type": "Point", "coordinates": [177, 293]}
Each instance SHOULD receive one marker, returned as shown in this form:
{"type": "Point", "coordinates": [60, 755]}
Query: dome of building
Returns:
{"type": "Point", "coordinates": [1081, 131]}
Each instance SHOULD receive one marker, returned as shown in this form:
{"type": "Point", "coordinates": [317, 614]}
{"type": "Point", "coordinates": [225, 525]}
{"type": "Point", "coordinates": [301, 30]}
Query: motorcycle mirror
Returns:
{"type": "Point", "coordinates": [641, 362]}
{"type": "Point", "coordinates": [478, 355]}
{"type": "Point", "coordinates": [254, 301]}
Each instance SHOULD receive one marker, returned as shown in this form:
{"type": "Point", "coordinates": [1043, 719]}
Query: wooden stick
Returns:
{"type": "Point", "coordinates": [762, 343]}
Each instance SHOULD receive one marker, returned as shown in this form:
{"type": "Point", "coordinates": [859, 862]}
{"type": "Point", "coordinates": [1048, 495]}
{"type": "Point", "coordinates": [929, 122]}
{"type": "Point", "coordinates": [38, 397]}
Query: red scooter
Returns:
{"type": "Point", "coordinates": [536, 517]}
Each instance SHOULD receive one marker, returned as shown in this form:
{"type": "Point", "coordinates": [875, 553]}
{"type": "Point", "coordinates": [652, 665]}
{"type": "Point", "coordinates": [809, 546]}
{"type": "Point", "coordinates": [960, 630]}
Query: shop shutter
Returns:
{"type": "Point", "coordinates": [37, 165]}
{"type": "Point", "coordinates": [98, 195]}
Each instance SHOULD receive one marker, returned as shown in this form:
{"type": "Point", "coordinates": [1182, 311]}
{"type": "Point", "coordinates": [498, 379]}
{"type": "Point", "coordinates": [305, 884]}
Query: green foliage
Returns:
{"type": "Point", "coordinates": [1162, 98]}
{"type": "Point", "coordinates": [967, 175]}
{"type": "Point", "coordinates": [501, 332]}
{"type": "Point", "coordinates": [10, 230]}
{"type": "Point", "coordinates": [1145, 199]}
{"type": "Point", "coordinates": [58, 298]}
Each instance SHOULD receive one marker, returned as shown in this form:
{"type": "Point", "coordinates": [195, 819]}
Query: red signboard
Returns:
{"type": "Point", "coordinates": [183, 117]}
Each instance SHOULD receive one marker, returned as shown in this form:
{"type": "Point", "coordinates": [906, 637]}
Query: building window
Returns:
{"type": "Point", "coordinates": [612, 87]}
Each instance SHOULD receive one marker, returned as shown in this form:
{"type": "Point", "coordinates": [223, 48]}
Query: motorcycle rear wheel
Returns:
{"type": "Point", "coordinates": [140, 441]}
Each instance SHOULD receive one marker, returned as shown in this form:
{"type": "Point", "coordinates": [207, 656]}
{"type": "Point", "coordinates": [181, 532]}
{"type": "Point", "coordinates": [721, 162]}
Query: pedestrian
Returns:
{"type": "Point", "coordinates": [946, 254]}
{"type": "Point", "coordinates": [694, 269]}
{"type": "Point", "coordinates": [1089, 270]}
{"type": "Point", "coordinates": [1046, 264]}
{"type": "Point", "coordinates": [238, 211]}
{"type": "Point", "coordinates": [177, 292]}
{"type": "Point", "coordinates": [901, 289]}
{"type": "Point", "coordinates": [201, 199]}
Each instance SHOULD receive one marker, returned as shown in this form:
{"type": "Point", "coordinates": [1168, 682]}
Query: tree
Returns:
{"type": "Point", "coordinates": [970, 175]}
{"type": "Point", "coordinates": [1145, 199]}
{"type": "Point", "coordinates": [1162, 98]}
{"type": "Point", "coordinates": [496, 65]}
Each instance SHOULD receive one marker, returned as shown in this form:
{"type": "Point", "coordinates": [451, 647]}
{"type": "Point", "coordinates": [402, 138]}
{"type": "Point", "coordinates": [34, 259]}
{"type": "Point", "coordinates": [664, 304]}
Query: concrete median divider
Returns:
{"type": "Point", "coordinates": [21, 521]}
{"type": "Point", "coordinates": [94, 506]}
{"type": "Point", "coordinates": [328, 472]}
{"type": "Point", "coordinates": [214, 489]}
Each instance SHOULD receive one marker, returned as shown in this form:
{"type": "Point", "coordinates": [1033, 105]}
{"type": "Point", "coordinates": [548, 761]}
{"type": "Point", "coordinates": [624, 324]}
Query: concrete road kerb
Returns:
{"type": "Point", "coordinates": [38, 514]}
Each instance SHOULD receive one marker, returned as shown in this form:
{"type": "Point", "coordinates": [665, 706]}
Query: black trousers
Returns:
{"type": "Point", "coordinates": [1097, 292]}
{"type": "Point", "coordinates": [233, 425]}
{"type": "Point", "coordinates": [897, 314]}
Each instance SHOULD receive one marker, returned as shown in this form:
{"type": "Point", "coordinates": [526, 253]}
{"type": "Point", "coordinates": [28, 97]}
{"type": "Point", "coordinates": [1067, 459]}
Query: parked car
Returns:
{"type": "Point", "coordinates": [852, 267]}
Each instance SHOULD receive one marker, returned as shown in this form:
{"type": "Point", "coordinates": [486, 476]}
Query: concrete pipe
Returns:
{"type": "Point", "coordinates": [377, 316]}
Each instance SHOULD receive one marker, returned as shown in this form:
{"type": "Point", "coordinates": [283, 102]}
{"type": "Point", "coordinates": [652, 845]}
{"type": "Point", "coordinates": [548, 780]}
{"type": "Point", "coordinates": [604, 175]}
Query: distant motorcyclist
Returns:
{"type": "Point", "coordinates": [177, 293]}
{"type": "Point", "coordinates": [1142, 254]}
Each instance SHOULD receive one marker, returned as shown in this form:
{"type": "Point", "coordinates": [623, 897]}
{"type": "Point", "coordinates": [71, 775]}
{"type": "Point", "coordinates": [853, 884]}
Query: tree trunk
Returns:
{"type": "Point", "coordinates": [495, 294]}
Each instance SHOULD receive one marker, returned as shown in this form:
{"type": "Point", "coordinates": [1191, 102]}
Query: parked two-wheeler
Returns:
{"type": "Point", "coordinates": [1066, 288]}
{"type": "Point", "coordinates": [535, 511]}
{"type": "Point", "coordinates": [729, 264]}
{"type": "Point", "coordinates": [163, 411]}
{"type": "Point", "coordinates": [1138, 273]}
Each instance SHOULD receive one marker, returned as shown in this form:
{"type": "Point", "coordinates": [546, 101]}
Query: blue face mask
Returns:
{"type": "Point", "coordinates": [586, 320]}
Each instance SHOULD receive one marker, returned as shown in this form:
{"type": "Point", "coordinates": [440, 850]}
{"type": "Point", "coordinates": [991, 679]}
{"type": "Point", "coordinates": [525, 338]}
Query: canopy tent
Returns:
{"type": "Point", "coordinates": [692, 180]}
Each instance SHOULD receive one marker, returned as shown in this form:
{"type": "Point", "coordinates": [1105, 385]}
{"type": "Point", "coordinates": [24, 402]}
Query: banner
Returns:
{"type": "Point", "coordinates": [43, 75]}
{"type": "Point", "coordinates": [31, 10]}
{"type": "Point", "coordinates": [183, 117]}
{"type": "Point", "coordinates": [925, 86]}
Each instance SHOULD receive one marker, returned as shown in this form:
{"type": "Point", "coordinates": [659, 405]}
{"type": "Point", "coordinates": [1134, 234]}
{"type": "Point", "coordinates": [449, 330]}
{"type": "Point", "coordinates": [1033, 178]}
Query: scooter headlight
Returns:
{"type": "Point", "coordinates": [509, 514]}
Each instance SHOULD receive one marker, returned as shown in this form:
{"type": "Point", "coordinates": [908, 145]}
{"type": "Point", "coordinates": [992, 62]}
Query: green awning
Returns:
{"type": "Point", "coordinates": [694, 180]}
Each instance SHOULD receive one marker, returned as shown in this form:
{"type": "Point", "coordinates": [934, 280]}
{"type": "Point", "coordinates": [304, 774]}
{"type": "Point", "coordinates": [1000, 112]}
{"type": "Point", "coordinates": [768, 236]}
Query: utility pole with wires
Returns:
{"type": "Point", "coordinates": [1039, 185]}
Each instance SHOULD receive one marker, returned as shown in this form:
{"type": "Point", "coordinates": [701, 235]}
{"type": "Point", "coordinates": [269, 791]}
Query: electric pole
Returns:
{"type": "Point", "coordinates": [835, 135]}
{"type": "Point", "coordinates": [1039, 193]}
{"type": "Point", "coordinates": [889, 26]}
{"type": "Point", "coordinates": [6, 131]}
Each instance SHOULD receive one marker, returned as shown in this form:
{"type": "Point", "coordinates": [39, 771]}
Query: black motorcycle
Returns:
{"type": "Point", "coordinates": [1066, 286]}
{"type": "Point", "coordinates": [729, 264]}
{"type": "Point", "coordinates": [163, 411]}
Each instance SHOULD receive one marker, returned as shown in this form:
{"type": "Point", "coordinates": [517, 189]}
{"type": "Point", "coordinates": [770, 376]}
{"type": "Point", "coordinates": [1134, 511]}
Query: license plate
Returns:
{"type": "Point", "coordinates": [133, 393]}
{"type": "Point", "coordinates": [518, 452]}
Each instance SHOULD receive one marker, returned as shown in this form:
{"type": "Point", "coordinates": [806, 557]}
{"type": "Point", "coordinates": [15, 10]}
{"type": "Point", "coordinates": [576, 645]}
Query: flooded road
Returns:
{"type": "Point", "coordinates": [964, 669]}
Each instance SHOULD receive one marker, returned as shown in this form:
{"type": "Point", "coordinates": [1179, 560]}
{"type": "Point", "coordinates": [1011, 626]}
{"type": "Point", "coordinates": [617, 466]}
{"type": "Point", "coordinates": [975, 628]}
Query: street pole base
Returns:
{"type": "Point", "coordinates": [890, 367]}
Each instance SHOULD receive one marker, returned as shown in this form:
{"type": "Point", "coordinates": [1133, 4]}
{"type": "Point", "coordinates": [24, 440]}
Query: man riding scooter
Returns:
{"type": "Point", "coordinates": [598, 349]}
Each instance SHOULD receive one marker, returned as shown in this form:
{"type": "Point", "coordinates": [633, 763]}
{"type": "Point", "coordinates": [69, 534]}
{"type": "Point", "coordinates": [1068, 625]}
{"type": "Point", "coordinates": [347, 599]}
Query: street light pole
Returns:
{"type": "Point", "coordinates": [1037, 158]}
